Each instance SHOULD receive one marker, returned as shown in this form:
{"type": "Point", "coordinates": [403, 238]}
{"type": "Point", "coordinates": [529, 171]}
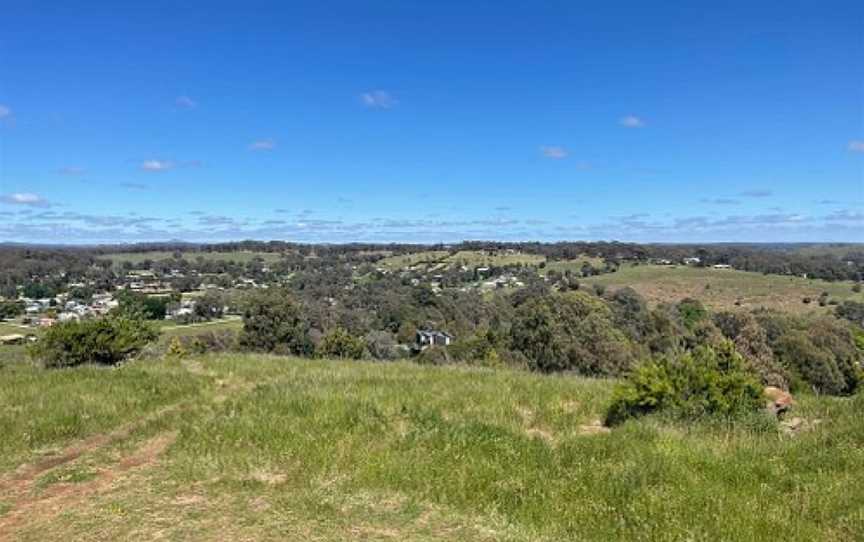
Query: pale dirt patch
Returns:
{"type": "Point", "coordinates": [62, 496]}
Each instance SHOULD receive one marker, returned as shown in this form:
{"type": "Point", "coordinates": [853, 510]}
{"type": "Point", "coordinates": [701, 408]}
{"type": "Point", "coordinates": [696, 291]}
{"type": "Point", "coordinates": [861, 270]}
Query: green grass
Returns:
{"type": "Point", "coordinates": [9, 328]}
{"type": "Point", "coordinates": [470, 258]}
{"type": "Point", "coordinates": [169, 328]}
{"type": "Point", "coordinates": [720, 288]}
{"type": "Point", "coordinates": [239, 256]}
{"type": "Point", "coordinates": [283, 449]}
{"type": "Point", "coordinates": [574, 265]}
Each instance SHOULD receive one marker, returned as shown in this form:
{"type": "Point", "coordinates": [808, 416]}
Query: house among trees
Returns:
{"type": "Point", "coordinates": [427, 338]}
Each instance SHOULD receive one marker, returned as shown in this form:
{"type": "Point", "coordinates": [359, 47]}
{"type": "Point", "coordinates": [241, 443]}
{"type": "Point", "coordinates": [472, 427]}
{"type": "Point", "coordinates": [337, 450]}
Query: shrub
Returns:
{"type": "Point", "coordinates": [107, 341]}
{"type": "Point", "coordinates": [210, 341]}
{"type": "Point", "coordinates": [340, 344]}
{"type": "Point", "coordinates": [706, 381]}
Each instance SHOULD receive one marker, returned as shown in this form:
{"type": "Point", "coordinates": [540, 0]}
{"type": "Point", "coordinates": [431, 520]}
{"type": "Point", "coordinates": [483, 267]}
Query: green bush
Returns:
{"type": "Point", "coordinates": [107, 341]}
{"type": "Point", "coordinates": [340, 344]}
{"type": "Point", "coordinates": [705, 381]}
{"type": "Point", "coordinates": [272, 322]}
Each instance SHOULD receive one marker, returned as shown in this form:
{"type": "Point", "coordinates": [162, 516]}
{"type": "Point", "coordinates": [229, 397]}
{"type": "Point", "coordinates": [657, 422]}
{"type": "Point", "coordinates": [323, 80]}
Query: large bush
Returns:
{"type": "Point", "coordinates": [824, 357]}
{"type": "Point", "coordinates": [570, 332]}
{"type": "Point", "coordinates": [273, 322]}
{"type": "Point", "coordinates": [340, 344]}
{"type": "Point", "coordinates": [106, 341]}
{"type": "Point", "coordinates": [705, 381]}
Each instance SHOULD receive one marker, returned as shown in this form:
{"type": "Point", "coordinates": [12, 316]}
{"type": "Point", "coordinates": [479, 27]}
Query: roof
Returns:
{"type": "Point", "coordinates": [433, 333]}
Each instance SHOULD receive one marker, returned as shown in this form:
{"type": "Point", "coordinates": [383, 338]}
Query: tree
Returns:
{"type": "Point", "coordinates": [106, 341]}
{"type": "Point", "coordinates": [209, 306]}
{"type": "Point", "coordinates": [10, 309]}
{"type": "Point", "coordinates": [825, 357]}
{"type": "Point", "coordinates": [752, 343]}
{"type": "Point", "coordinates": [273, 322]}
{"type": "Point", "coordinates": [137, 305]}
{"type": "Point", "coordinates": [570, 331]}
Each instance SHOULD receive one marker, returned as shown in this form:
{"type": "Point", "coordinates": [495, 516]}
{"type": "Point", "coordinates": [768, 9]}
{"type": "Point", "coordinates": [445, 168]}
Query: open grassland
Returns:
{"type": "Point", "coordinates": [266, 448]}
{"type": "Point", "coordinates": [427, 257]}
{"type": "Point", "coordinates": [477, 258]}
{"type": "Point", "coordinates": [574, 265]}
{"type": "Point", "coordinates": [721, 288]}
{"type": "Point", "coordinates": [240, 256]}
{"type": "Point", "coordinates": [11, 328]}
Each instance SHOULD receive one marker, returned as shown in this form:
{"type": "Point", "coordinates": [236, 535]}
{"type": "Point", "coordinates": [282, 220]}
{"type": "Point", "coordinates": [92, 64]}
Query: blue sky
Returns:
{"type": "Point", "coordinates": [432, 121]}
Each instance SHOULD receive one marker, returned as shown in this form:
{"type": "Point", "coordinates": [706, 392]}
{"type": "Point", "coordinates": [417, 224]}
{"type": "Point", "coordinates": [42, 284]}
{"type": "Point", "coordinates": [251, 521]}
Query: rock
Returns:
{"type": "Point", "coordinates": [778, 401]}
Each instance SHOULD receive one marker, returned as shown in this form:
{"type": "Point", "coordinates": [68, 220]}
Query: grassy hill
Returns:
{"type": "Point", "coordinates": [268, 448]}
{"type": "Point", "coordinates": [721, 288]}
{"type": "Point", "coordinates": [239, 256]}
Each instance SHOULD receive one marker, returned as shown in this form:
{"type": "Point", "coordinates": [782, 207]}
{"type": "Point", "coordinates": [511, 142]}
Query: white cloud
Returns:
{"type": "Point", "coordinates": [378, 99]}
{"type": "Point", "coordinates": [24, 198]}
{"type": "Point", "coordinates": [263, 145]}
{"type": "Point", "coordinates": [5, 112]}
{"type": "Point", "coordinates": [856, 145]}
{"type": "Point", "coordinates": [157, 165]}
{"type": "Point", "coordinates": [186, 102]}
{"type": "Point", "coordinates": [631, 121]}
{"type": "Point", "coordinates": [554, 152]}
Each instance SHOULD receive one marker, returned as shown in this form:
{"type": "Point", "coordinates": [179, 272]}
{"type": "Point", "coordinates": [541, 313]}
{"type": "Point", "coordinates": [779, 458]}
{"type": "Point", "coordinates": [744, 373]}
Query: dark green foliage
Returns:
{"type": "Point", "coordinates": [137, 305]}
{"type": "Point", "coordinates": [209, 306]}
{"type": "Point", "coordinates": [340, 344]}
{"type": "Point", "coordinates": [37, 290]}
{"type": "Point", "coordinates": [706, 381]}
{"type": "Point", "coordinates": [852, 311]}
{"type": "Point", "coordinates": [570, 331]}
{"type": "Point", "coordinates": [824, 357]}
{"type": "Point", "coordinates": [691, 311]}
{"type": "Point", "coordinates": [106, 341]}
{"type": "Point", "coordinates": [10, 309]}
{"type": "Point", "coordinates": [273, 322]}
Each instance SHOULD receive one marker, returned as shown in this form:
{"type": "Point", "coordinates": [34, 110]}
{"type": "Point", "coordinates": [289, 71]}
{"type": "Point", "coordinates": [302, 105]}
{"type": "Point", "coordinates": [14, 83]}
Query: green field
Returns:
{"type": "Point", "coordinates": [169, 329]}
{"type": "Point", "coordinates": [237, 256]}
{"type": "Point", "coordinates": [469, 258]}
{"type": "Point", "coordinates": [9, 328]}
{"type": "Point", "coordinates": [575, 265]}
{"type": "Point", "coordinates": [246, 447]}
{"type": "Point", "coordinates": [720, 288]}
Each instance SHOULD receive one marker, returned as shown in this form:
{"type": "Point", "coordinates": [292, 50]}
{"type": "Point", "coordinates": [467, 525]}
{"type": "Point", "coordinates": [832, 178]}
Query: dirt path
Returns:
{"type": "Point", "coordinates": [63, 496]}
{"type": "Point", "coordinates": [22, 479]}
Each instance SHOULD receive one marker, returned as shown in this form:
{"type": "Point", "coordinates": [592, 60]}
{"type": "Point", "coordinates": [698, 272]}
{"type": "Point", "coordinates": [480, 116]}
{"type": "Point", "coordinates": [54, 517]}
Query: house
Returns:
{"type": "Point", "coordinates": [693, 260]}
{"type": "Point", "coordinates": [427, 338]}
{"type": "Point", "coordinates": [722, 266]}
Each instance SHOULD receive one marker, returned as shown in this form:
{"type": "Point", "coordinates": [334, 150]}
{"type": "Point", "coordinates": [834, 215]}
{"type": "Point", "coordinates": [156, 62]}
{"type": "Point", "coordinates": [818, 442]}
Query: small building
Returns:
{"type": "Point", "coordinates": [722, 266]}
{"type": "Point", "coordinates": [427, 338]}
